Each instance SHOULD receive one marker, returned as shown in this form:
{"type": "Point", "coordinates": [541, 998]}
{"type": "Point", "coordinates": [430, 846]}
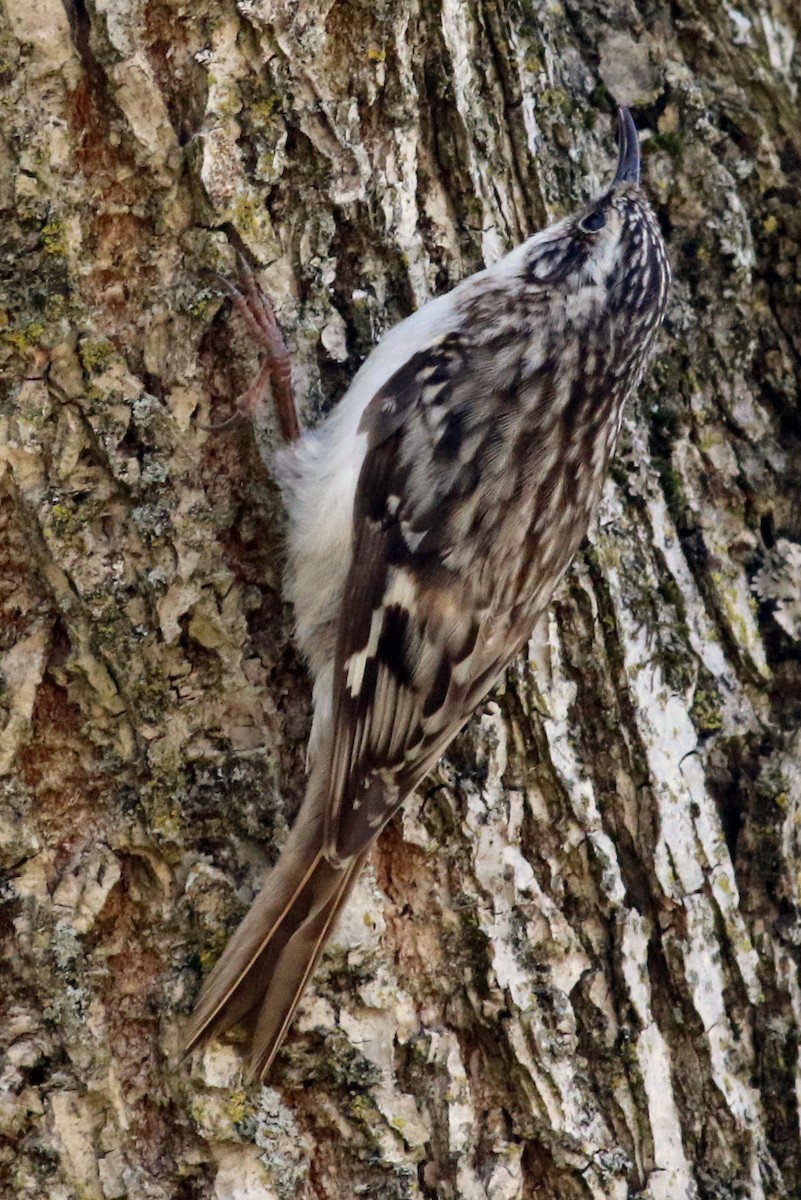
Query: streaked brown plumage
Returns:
{"type": "Point", "coordinates": [431, 517]}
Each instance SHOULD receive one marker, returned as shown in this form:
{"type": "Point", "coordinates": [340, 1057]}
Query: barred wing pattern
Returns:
{"type": "Point", "coordinates": [427, 626]}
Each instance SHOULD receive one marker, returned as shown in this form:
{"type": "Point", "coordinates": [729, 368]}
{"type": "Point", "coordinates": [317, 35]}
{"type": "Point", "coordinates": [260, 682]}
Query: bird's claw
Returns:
{"type": "Point", "coordinates": [275, 373]}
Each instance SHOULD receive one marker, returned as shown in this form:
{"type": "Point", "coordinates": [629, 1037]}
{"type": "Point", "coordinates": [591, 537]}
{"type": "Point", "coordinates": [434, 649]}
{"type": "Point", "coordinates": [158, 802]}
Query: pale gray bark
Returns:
{"type": "Point", "coordinates": [572, 968]}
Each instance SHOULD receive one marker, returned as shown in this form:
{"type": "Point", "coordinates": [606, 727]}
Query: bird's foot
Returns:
{"type": "Point", "coordinates": [274, 377]}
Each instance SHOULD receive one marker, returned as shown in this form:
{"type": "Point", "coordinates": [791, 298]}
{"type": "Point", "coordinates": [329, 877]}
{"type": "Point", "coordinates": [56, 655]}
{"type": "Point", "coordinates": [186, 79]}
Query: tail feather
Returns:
{"type": "Point", "coordinates": [294, 965]}
{"type": "Point", "coordinates": [264, 969]}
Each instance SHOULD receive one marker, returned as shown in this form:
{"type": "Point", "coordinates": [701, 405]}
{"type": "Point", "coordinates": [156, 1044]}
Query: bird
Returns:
{"type": "Point", "coordinates": [430, 517]}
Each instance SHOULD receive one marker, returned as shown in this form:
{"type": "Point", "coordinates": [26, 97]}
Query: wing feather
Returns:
{"type": "Point", "coordinates": [425, 629]}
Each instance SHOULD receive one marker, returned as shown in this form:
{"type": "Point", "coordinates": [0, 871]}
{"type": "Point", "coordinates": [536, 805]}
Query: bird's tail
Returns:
{"type": "Point", "coordinates": [264, 969]}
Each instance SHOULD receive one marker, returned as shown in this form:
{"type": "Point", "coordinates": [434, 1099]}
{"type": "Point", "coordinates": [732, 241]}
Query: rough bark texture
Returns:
{"type": "Point", "coordinates": [571, 969]}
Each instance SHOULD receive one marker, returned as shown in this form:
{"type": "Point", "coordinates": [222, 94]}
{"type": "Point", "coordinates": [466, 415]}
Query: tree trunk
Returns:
{"type": "Point", "coordinates": [571, 969]}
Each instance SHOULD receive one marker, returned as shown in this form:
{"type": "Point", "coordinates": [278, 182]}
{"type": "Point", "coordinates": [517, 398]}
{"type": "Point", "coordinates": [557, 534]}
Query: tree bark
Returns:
{"type": "Point", "coordinates": [571, 969]}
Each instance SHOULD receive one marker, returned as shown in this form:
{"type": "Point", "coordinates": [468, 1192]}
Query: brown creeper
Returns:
{"type": "Point", "coordinates": [431, 516]}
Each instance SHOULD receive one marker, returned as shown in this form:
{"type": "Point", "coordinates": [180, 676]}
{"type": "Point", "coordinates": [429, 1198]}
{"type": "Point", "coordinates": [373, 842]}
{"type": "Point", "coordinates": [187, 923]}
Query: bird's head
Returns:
{"type": "Point", "coordinates": [613, 245]}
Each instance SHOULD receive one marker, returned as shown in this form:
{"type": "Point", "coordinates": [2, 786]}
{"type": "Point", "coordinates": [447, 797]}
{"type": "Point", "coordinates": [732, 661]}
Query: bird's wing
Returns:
{"type": "Point", "coordinates": [421, 636]}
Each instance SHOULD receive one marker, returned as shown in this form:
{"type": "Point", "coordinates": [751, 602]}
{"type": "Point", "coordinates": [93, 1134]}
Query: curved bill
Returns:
{"type": "Point", "coordinates": [628, 162]}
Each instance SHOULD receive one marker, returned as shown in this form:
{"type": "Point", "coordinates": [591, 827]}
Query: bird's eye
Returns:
{"type": "Point", "coordinates": [593, 221]}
